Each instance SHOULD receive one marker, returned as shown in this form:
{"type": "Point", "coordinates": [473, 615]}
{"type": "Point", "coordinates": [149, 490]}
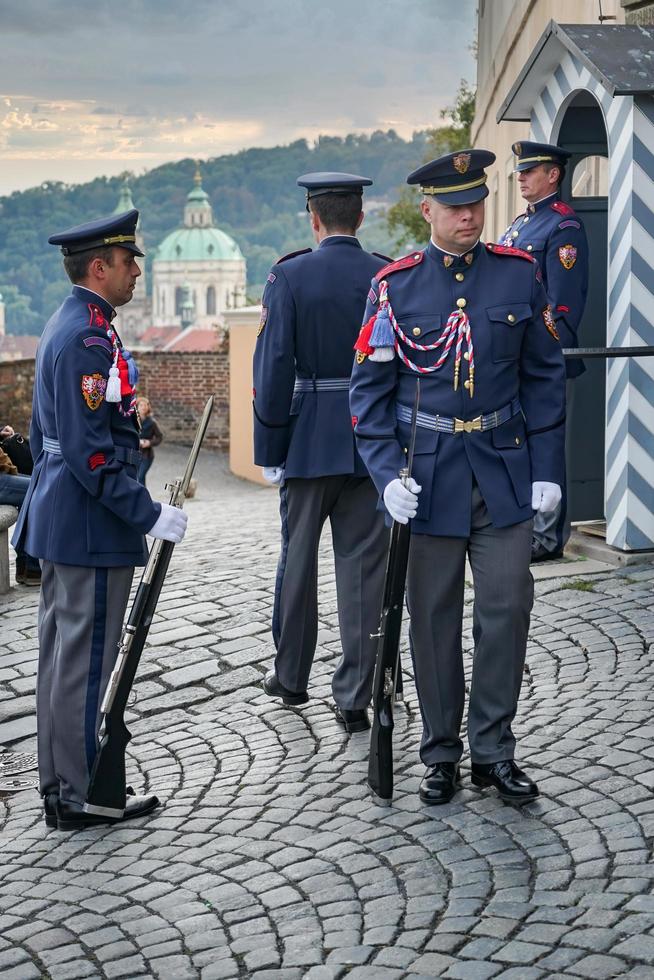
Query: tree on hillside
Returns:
{"type": "Point", "coordinates": [405, 221]}
{"type": "Point", "coordinates": [20, 317]}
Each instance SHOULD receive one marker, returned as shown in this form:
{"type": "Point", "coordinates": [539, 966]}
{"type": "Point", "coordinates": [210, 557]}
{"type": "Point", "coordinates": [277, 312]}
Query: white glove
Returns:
{"type": "Point", "coordinates": [274, 475]}
{"type": "Point", "coordinates": [170, 525]}
{"type": "Point", "coordinates": [402, 502]}
{"type": "Point", "coordinates": [545, 497]}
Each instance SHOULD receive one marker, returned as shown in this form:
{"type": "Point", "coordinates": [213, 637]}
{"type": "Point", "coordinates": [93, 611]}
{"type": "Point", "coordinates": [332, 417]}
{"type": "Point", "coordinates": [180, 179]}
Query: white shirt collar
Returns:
{"type": "Point", "coordinates": [446, 252]}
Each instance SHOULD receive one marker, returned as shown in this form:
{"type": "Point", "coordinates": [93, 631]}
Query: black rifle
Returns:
{"type": "Point", "coordinates": [387, 667]}
{"type": "Point", "coordinates": [107, 791]}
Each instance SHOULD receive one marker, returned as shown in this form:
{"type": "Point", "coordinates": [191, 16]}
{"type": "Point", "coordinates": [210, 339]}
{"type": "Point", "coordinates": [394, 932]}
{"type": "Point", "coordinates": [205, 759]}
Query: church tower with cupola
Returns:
{"type": "Point", "coordinates": [135, 317]}
{"type": "Point", "coordinates": [197, 267]}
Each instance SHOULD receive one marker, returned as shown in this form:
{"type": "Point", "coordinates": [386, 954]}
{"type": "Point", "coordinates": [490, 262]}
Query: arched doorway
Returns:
{"type": "Point", "coordinates": [582, 131]}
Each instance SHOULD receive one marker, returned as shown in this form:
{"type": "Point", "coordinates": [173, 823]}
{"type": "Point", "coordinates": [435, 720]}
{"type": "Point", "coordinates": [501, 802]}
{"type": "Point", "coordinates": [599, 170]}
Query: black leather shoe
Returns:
{"type": "Point", "coordinates": [71, 816]}
{"type": "Point", "coordinates": [440, 783]}
{"type": "Point", "coordinates": [50, 801]}
{"type": "Point", "coordinates": [513, 785]}
{"type": "Point", "coordinates": [275, 689]}
{"type": "Point", "coordinates": [540, 553]}
{"type": "Point", "coordinates": [354, 719]}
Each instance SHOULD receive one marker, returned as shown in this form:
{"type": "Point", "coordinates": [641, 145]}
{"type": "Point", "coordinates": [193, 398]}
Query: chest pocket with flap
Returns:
{"type": "Point", "coordinates": [507, 324]}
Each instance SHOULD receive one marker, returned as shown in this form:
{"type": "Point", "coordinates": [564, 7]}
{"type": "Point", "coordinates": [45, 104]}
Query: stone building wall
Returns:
{"type": "Point", "coordinates": [177, 384]}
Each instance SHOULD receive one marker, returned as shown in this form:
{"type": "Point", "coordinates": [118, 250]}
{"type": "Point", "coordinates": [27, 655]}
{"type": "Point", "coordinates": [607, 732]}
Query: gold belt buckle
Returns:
{"type": "Point", "coordinates": [473, 425]}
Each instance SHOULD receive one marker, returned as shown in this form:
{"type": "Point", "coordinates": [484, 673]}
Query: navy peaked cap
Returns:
{"type": "Point", "coordinates": [328, 182]}
{"type": "Point", "coordinates": [530, 154]}
{"type": "Point", "coordinates": [116, 229]}
{"type": "Point", "coordinates": [456, 178]}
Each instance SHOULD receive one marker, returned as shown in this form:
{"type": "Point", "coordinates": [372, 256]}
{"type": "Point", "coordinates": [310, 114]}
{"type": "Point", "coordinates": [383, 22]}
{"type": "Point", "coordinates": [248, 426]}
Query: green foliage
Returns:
{"type": "Point", "coordinates": [19, 313]}
{"type": "Point", "coordinates": [254, 197]}
{"type": "Point", "coordinates": [405, 221]}
{"type": "Point", "coordinates": [580, 585]}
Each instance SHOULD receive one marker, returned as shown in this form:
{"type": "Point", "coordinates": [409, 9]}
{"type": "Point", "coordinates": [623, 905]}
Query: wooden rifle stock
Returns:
{"type": "Point", "coordinates": [107, 791]}
{"type": "Point", "coordinates": [387, 666]}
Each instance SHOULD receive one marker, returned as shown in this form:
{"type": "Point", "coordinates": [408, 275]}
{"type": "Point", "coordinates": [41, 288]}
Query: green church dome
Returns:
{"type": "Point", "coordinates": [197, 244]}
{"type": "Point", "coordinates": [198, 239]}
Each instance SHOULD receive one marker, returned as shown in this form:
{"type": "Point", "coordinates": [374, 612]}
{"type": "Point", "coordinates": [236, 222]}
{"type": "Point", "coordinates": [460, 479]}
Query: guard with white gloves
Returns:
{"type": "Point", "coordinates": [85, 515]}
{"type": "Point", "coordinates": [472, 321]}
{"type": "Point", "coordinates": [170, 525]}
{"type": "Point", "coordinates": [311, 309]}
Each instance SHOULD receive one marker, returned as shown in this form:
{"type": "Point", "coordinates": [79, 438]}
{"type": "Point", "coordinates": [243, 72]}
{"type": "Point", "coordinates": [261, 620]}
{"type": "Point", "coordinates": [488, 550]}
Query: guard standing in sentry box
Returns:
{"type": "Point", "coordinates": [312, 308]}
{"type": "Point", "coordinates": [85, 514]}
{"type": "Point", "coordinates": [472, 321]}
{"type": "Point", "coordinates": [553, 234]}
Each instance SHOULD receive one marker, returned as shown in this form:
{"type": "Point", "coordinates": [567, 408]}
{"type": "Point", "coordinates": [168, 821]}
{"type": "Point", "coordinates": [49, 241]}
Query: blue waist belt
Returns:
{"type": "Point", "coordinates": [442, 423]}
{"type": "Point", "coordinates": [124, 455]}
{"type": "Point", "coordinates": [321, 384]}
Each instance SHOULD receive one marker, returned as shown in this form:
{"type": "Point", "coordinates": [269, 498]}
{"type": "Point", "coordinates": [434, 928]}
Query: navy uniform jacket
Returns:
{"type": "Point", "coordinates": [84, 505]}
{"type": "Point", "coordinates": [312, 308]}
{"type": "Point", "coordinates": [553, 233]}
{"type": "Point", "coordinates": [516, 355]}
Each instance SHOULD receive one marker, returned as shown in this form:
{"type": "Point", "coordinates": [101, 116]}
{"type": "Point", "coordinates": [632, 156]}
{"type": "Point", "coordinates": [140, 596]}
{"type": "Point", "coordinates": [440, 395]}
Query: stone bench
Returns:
{"type": "Point", "coordinates": [8, 516]}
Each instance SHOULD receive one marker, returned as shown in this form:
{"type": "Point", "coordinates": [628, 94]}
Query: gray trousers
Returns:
{"type": "Point", "coordinates": [80, 619]}
{"type": "Point", "coordinates": [360, 541]}
{"type": "Point", "coordinates": [553, 530]}
{"type": "Point", "coordinates": [504, 592]}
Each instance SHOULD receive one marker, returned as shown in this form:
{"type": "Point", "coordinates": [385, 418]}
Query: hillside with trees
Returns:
{"type": "Point", "coordinates": [254, 198]}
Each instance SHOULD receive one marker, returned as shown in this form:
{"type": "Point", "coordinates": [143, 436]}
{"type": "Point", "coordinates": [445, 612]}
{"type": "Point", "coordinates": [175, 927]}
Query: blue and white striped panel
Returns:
{"type": "Point", "coordinates": [629, 497]}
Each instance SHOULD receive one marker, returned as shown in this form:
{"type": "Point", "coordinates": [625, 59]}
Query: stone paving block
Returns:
{"type": "Point", "coordinates": [473, 971]}
{"type": "Point", "coordinates": [599, 967]}
{"type": "Point", "coordinates": [636, 948]}
{"type": "Point", "coordinates": [517, 952]}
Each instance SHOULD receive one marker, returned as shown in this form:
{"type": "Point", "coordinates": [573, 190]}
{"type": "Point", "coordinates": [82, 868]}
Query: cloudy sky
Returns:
{"type": "Point", "coordinates": [89, 89]}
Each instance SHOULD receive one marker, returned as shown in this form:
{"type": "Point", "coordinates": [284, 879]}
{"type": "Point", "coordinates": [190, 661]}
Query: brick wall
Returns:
{"type": "Point", "coordinates": [16, 383]}
{"type": "Point", "coordinates": [178, 385]}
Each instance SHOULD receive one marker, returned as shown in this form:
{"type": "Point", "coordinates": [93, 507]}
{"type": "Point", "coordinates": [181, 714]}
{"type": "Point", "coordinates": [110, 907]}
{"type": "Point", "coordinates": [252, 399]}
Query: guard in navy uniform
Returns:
{"type": "Point", "coordinates": [303, 439]}
{"type": "Point", "coordinates": [472, 322]}
{"type": "Point", "coordinates": [85, 514]}
{"type": "Point", "coordinates": [553, 233]}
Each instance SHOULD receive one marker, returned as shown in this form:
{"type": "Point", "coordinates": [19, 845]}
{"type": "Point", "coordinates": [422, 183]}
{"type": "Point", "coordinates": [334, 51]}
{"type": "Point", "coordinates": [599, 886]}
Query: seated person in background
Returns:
{"type": "Point", "coordinates": [13, 488]}
{"type": "Point", "coordinates": [149, 437]}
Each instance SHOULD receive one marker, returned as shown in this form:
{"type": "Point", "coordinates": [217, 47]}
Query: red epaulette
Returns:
{"type": "Point", "coordinates": [509, 250]}
{"type": "Point", "coordinates": [291, 255]}
{"type": "Point", "coordinates": [406, 262]}
{"type": "Point", "coordinates": [562, 207]}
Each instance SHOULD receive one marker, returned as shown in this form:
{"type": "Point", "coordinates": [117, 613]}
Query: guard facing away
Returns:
{"type": "Point", "coordinates": [471, 321]}
{"type": "Point", "coordinates": [553, 233]}
{"type": "Point", "coordinates": [85, 514]}
{"type": "Point", "coordinates": [303, 439]}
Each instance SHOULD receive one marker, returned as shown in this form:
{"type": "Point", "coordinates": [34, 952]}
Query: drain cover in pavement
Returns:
{"type": "Point", "coordinates": [12, 762]}
{"type": "Point", "coordinates": [12, 784]}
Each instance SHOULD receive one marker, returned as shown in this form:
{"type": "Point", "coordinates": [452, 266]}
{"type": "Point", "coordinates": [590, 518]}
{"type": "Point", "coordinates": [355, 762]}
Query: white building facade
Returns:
{"type": "Point", "coordinates": [198, 261]}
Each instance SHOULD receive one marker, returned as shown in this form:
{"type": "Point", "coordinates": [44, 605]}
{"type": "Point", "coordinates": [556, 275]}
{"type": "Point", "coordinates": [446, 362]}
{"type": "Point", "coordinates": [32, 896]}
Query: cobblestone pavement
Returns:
{"type": "Point", "coordinates": [269, 859]}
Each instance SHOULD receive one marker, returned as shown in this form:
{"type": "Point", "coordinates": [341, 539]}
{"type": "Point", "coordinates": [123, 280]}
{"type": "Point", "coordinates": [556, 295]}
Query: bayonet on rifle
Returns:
{"type": "Point", "coordinates": [107, 791]}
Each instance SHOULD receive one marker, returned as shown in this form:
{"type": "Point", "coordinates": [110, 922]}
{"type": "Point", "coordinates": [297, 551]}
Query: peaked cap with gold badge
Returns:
{"type": "Point", "coordinates": [457, 178]}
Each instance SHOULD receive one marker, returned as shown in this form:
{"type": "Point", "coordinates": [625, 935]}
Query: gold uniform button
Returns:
{"type": "Point", "coordinates": [461, 303]}
{"type": "Point", "coordinates": [529, 248]}
{"type": "Point", "coordinates": [514, 234]}
{"type": "Point", "coordinates": [466, 356]}
{"type": "Point", "coordinates": [466, 384]}
{"type": "Point", "coordinates": [511, 318]}
{"type": "Point", "coordinates": [416, 331]}
{"type": "Point", "coordinates": [459, 277]}
{"type": "Point", "coordinates": [525, 221]}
